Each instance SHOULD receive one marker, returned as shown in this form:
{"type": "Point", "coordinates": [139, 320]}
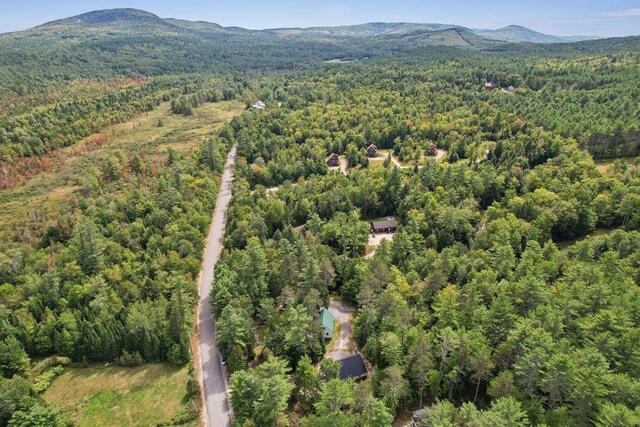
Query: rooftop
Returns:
{"type": "Point", "coordinates": [420, 414]}
{"type": "Point", "coordinates": [390, 223]}
{"type": "Point", "coordinates": [326, 319]}
{"type": "Point", "coordinates": [352, 367]}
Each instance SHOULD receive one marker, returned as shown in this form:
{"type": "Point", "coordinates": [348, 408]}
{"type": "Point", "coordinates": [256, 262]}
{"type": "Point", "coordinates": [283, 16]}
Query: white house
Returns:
{"type": "Point", "coordinates": [259, 105]}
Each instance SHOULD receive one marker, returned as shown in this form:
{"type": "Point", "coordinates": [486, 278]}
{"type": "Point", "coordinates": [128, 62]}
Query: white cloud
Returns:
{"type": "Point", "coordinates": [623, 13]}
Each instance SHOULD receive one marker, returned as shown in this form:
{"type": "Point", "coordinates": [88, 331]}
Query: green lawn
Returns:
{"type": "Point", "coordinates": [331, 345]}
{"type": "Point", "coordinates": [337, 61]}
{"type": "Point", "coordinates": [118, 396]}
{"type": "Point", "coordinates": [380, 218]}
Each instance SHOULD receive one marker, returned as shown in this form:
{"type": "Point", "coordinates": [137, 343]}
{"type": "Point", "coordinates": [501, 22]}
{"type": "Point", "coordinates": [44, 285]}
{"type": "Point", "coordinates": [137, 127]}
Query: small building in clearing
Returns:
{"type": "Point", "coordinates": [353, 367]}
{"type": "Point", "coordinates": [372, 151]}
{"type": "Point", "coordinates": [387, 226]}
{"type": "Point", "coordinates": [259, 105]}
{"type": "Point", "coordinates": [433, 150]}
{"type": "Point", "coordinates": [333, 160]}
{"type": "Point", "coordinates": [418, 417]}
{"type": "Point", "coordinates": [488, 86]}
{"type": "Point", "coordinates": [326, 323]}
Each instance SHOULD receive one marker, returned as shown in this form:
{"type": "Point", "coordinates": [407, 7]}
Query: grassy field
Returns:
{"type": "Point", "coordinates": [604, 165]}
{"type": "Point", "coordinates": [151, 133]}
{"type": "Point", "coordinates": [331, 345]}
{"type": "Point", "coordinates": [337, 61]}
{"type": "Point", "coordinates": [117, 396]}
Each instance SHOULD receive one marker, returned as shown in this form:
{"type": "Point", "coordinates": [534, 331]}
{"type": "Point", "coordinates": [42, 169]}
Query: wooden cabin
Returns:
{"type": "Point", "coordinates": [387, 226]}
{"type": "Point", "coordinates": [333, 160]}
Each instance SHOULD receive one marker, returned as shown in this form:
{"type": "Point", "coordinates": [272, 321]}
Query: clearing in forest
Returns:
{"type": "Point", "coordinates": [150, 134]}
{"type": "Point", "coordinates": [382, 155]}
{"type": "Point", "coordinates": [118, 396]}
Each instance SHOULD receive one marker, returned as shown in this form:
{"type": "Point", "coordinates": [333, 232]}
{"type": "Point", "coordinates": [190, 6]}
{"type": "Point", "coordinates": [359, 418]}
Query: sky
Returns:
{"type": "Point", "coordinates": [560, 17]}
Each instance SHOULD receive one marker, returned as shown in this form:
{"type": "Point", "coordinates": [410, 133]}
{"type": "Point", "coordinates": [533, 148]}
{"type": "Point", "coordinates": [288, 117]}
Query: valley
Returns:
{"type": "Point", "coordinates": [351, 225]}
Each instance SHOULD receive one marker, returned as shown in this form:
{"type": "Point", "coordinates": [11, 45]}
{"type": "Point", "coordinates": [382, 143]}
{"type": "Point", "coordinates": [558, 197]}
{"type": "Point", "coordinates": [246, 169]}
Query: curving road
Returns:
{"type": "Point", "coordinates": [213, 381]}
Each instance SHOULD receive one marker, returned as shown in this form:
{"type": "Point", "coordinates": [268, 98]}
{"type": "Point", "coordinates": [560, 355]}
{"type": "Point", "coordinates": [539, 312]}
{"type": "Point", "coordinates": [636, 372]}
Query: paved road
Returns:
{"type": "Point", "coordinates": [213, 381]}
{"type": "Point", "coordinates": [344, 345]}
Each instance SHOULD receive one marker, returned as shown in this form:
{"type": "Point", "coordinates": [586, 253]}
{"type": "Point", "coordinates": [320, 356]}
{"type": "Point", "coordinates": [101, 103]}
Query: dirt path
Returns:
{"type": "Point", "coordinates": [397, 162]}
{"type": "Point", "coordinates": [440, 154]}
{"type": "Point", "coordinates": [344, 166]}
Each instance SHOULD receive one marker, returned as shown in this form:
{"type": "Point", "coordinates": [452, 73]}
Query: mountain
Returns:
{"type": "Point", "coordinates": [133, 42]}
{"type": "Point", "coordinates": [373, 29]}
{"type": "Point", "coordinates": [511, 33]}
{"type": "Point", "coordinates": [520, 34]}
{"type": "Point", "coordinates": [114, 21]}
{"type": "Point", "coordinates": [139, 22]}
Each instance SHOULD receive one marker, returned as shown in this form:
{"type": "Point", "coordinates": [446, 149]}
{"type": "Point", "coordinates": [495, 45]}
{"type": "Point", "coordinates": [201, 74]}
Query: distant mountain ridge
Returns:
{"type": "Point", "coordinates": [511, 33]}
{"type": "Point", "coordinates": [118, 42]}
{"type": "Point", "coordinates": [140, 21]}
{"type": "Point", "coordinates": [520, 34]}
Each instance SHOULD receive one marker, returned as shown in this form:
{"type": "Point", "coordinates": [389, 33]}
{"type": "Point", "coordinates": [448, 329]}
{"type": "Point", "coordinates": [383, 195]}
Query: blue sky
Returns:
{"type": "Point", "coordinates": [561, 17]}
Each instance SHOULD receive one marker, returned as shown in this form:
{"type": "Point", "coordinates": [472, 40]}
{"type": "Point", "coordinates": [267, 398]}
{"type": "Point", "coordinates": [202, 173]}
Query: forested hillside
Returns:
{"type": "Point", "coordinates": [130, 42]}
{"type": "Point", "coordinates": [507, 296]}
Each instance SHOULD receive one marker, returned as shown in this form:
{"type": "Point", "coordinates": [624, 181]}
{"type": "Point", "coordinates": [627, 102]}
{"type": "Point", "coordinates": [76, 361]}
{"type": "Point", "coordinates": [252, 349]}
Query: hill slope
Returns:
{"type": "Point", "coordinates": [520, 34]}
{"type": "Point", "coordinates": [139, 22]}
{"type": "Point", "coordinates": [132, 42]}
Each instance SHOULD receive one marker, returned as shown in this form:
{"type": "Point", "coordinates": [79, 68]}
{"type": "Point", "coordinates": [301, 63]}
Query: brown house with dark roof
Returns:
{"type": "Point", "coordinates": [388, 226]}
{"type": "Point", "coordinates": [333, 160]}
{"type": "Point", "coordinates": [372, 151]}
{"type": "Point", "coordinates": [432, 151]}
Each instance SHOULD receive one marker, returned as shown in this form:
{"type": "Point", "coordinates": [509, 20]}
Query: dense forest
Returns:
{"type": "Point", "coordinates": [111, 278]}
{"type": "Point", "coordinates": [509, 293]}
{"type": "Point", "coordinates": [472, 307]}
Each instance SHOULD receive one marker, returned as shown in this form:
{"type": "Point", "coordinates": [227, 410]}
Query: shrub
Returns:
{"type": "Point", "coordinates": [42, 382]}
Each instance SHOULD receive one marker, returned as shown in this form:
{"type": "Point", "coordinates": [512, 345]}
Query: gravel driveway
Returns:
{"type": "Point", "coordinates": [345, 346]}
